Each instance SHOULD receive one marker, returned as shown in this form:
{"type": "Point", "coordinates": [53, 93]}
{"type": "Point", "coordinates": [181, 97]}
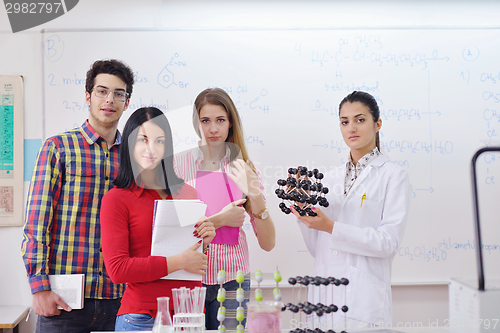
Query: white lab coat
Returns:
{"type": "Point", "coordinates": [363, 242]}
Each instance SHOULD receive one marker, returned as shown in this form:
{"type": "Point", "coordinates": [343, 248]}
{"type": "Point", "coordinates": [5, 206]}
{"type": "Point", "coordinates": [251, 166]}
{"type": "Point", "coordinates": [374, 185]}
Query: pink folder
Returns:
{"type": "Point", "coordinates": [217, 190]}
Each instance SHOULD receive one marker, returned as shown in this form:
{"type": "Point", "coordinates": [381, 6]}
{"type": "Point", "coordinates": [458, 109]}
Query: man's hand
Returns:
{"type": "Point", "coordinates": [45, 303]}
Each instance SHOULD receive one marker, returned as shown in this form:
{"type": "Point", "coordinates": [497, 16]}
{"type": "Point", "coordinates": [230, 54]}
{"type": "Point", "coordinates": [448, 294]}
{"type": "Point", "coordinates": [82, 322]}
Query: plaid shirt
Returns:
{"type": "Point", "coordinates": [62, 232]}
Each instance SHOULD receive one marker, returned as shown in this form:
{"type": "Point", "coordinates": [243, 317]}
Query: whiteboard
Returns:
{"type": "Point", "coordinates": [438, 92]}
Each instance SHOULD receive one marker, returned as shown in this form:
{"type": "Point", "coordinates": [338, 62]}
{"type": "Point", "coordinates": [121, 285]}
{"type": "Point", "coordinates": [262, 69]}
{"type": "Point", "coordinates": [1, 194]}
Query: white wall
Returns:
{"type": "Point", "coordinates": [20, 54]}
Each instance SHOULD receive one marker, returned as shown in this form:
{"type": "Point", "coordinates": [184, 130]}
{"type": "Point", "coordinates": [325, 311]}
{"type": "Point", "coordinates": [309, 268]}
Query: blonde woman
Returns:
{"type": "Point", "coordinates": [222, 148]}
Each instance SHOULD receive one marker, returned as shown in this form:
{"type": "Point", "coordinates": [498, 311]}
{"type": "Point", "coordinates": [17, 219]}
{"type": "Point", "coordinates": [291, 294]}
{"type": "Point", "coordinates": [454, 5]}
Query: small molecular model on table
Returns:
{"type": "Point", "coordinates": [239, 295]}
{"type": "Point", "coordinates": [302, 190]}
{"type": "Point", "coordinates": [319, 309]}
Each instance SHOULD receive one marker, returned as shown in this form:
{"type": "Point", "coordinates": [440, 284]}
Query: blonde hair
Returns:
{"type": "Point", "coordinates": [218, 96]}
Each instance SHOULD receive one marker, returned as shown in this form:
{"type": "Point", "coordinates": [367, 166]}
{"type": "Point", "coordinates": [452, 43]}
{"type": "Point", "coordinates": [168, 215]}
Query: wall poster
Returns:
{"type": "Point", "coordinates": [11, 150]}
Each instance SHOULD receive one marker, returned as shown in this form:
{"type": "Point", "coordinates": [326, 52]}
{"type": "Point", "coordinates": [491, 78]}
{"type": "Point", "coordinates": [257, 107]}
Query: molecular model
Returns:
{"type": "Point", "coordinates": [302, 186]}
{"type": "Point", "coordinates": [239, 295]}
{"type": "Point", "coordinates": [316, 309]}
{"type": "Point", "coordinates": [276, 291]}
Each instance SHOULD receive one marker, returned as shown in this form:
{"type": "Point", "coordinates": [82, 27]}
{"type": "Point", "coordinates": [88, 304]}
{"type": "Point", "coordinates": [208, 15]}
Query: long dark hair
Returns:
{"type": "Point", "coordinates": [128, 170]}
{"type": "Point", "coordinates": [370, 102]}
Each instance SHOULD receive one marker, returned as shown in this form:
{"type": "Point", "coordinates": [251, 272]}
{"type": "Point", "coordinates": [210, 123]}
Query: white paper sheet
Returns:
{"type": "Point", "coordinates": [173, 228]}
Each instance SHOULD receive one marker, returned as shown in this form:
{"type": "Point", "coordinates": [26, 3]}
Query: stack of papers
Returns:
{"type": "Point", "coordinates": [173, 226]}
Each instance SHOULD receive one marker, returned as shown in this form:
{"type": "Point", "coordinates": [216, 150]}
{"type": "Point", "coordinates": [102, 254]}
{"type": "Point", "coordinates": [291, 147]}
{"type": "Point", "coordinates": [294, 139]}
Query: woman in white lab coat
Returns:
{"type": "Point", "coordinates": [358, 234]}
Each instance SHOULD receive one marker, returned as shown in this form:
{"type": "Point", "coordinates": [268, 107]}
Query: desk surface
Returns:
{"type": "Point", "coordinates": [374, 330]}
{"type": "Point", "coordinates": [10, 316]}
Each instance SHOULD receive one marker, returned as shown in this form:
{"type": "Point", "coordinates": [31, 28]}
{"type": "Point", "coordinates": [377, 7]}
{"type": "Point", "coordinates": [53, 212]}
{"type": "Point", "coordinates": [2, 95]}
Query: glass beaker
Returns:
{"type": "Point", "coordinates": [264, 317]}
{"type": "Point", "coordinates": [163, 322]}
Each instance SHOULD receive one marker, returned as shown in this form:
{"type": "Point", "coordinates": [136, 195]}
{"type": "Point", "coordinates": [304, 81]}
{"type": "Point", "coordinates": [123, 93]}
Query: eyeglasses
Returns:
{"type": "Point", "coordinates": [119, 95]}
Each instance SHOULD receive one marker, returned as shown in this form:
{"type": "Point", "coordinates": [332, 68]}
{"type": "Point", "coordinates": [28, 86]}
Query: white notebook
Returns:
{"type": "Point", "coordinates": [70, 288]}
{"type": "Point", "coordinates": [173, 227]}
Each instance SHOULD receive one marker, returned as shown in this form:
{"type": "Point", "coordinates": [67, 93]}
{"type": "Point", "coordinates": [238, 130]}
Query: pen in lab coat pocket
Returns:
{"type": "Point", "coordinates": [363, 198]}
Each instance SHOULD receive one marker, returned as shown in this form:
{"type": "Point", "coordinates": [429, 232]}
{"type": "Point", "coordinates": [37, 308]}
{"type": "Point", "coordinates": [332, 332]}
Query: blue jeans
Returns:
{"type": "Point", "coordinates": [134, 322]}
{"type": "Point", "coordinates": [96, 315]}
{"type": "Point", "coordinates": [212, 305]}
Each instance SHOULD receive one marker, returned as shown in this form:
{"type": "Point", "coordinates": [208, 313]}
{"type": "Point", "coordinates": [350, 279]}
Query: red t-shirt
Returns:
{"type": "Point", "coordinates": [127, 231]}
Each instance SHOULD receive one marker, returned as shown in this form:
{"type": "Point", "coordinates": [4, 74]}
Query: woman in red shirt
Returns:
{"type": "Point", "coordinates": [145, 175]}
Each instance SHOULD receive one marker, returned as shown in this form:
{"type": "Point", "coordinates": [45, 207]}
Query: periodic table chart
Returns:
{"type": "Point", "coordinates": [11, 150]}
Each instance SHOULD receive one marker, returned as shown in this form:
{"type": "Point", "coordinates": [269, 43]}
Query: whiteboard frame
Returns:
{"type": "Point", "coordinates": [409, 281]}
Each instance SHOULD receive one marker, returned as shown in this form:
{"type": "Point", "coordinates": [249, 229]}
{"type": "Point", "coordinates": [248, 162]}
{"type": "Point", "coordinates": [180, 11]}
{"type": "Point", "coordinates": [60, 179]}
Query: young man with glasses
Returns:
{"type": "Point", "coordinates": [62, 235]}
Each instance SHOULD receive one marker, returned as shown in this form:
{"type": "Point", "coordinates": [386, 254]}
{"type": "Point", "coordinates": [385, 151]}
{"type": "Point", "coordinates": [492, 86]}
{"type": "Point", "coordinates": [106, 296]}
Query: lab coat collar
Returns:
{"type": "Point", "coordinates": [376, 163]}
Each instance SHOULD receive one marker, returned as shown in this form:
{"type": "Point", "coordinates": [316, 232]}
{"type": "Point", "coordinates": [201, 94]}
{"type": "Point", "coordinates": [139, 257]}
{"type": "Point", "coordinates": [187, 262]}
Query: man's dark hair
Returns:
{"type": "Point", "coordinates": [113, 67]}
